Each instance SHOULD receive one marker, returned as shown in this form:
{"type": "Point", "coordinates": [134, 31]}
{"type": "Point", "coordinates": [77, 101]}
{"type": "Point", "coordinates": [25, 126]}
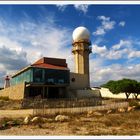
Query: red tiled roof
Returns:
{"type": "Point", "coordinates": [45, 65]}
{"type": "Point", "coordinates": [52, 63]}
{"type": "Point", "coordinates": [46, 62]}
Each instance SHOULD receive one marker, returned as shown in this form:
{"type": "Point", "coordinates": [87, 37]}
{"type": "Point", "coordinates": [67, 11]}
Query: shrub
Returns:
{"type": "Point", "coordinates": [134, 103]}
{"type": "Point", "coordinates": [6, 123]}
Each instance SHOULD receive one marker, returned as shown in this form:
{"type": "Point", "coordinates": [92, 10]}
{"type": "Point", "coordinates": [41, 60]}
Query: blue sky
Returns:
{"type": "Point", "coordinates": [28, 32]}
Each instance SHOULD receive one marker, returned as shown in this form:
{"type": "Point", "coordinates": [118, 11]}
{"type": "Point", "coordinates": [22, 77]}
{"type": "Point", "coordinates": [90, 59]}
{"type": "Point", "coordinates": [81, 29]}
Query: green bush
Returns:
{"type": "Point", "coordinates": [6, 98]}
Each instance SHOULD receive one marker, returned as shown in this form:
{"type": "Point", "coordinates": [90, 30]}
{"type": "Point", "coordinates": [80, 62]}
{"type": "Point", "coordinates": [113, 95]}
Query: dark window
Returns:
{"type": "Point", "coordinates": [58, 76]}
{"type": "Point", "coordinates": [50, 80]}
{"type": "Point", "coordinates": [38, 75]}
{"type": "Point", "coordinates": [60, 81]}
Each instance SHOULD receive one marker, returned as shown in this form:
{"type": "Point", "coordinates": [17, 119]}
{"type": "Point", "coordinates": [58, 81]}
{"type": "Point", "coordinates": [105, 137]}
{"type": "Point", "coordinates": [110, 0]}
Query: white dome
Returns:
{"type": "Point", "coordinates": [80, 33]}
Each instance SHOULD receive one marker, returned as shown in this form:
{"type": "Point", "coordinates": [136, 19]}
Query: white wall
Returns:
{"type": "Point", "coordinates": [107, 94]}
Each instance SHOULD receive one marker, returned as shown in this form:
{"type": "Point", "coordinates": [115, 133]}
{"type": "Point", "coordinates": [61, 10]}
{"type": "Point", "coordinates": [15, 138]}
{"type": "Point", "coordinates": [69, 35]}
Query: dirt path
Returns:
{"type": "Point", "coordinates": [15, 113]}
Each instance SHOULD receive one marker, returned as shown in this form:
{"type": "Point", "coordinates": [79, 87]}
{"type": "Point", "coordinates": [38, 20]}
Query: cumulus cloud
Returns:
{"type": "Point", "coordinates": [99, 31]}
{"type": "Point", "coordinates": [122, 23]}
{"type": "Point", "coordinates": [134, 54]}
{"type": "Point", "coordinates": [99, 50]}
{"type": "Point", "coordinates": [106, 25]}
{"type": "Point", "coordinates": [25, 42]}
{"type": "Point", "coordinates": [123, 49]}
{"type": "Point", "coordinates": [104, 18]}
{"type": "Point", "coordinates": [102, 74]}
{"type": "Point", "coordinates": [105, 53]}
{"type": "Point", "coordinates": [11, 59]}
{"type": "Point", "coordinates": [122, 43]}
{"type": "Point", "coordinates": [81, 7]}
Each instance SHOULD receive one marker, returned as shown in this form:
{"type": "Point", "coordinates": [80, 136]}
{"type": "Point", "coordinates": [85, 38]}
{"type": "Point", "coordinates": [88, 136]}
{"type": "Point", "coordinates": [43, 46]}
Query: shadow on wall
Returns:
{"type": "Point", "coordinates": [85, 93]}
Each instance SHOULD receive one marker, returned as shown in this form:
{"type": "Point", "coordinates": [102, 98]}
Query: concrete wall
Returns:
{"type": "Point", "coordinates": [81, 81]}
{"type": "Point", "coordinates": [88, 93]}
{"type": "Point", "coordinates": [14, 92]}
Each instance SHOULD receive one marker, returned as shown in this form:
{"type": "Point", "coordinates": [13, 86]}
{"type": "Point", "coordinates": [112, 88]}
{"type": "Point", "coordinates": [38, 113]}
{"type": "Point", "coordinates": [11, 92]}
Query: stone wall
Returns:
{"type": "Point", "coordinates": [14, 92]}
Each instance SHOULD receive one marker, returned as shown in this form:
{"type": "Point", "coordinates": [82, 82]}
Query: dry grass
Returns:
{"type": "Point", "coordinates": [108, 124]}
{"type": "Point", "coordinates": [127, 123]}
{"type": "Point", "coordinates": [5, 103]}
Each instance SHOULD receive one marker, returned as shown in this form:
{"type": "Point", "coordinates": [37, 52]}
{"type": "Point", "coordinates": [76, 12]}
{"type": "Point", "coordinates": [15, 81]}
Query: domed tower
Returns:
{"type": "Point", "coordinates": [81, 50]}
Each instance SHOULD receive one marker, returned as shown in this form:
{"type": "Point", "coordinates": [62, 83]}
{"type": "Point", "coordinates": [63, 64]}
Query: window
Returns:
{"type": "Point", "coordinates": [50, 80]}
{"type": "Point", "coordinates": [38, 75]}
{"type": "Point", "coordinates": [60, 81]}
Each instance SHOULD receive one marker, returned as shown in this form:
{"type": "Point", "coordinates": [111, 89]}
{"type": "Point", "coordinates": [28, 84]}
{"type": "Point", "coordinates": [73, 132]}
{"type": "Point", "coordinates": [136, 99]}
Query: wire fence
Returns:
{"type": "Point", "coordinates": [58, 106]}
{"type": "Point", "coordinates": [53, 111]}
{"type": "Point", "coordinates": [71, 105]}
{"type": "Point", "coordinates": [60, 103]}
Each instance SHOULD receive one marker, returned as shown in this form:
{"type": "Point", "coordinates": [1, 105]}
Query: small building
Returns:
{"type": "Point", "coordinates": [48, 77]}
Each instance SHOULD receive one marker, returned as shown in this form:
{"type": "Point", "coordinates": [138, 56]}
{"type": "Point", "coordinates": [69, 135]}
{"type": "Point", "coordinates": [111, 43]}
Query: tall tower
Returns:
{"type": "Point", "coordinates": [81, 51]}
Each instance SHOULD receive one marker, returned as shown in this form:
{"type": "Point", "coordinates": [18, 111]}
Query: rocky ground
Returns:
{"type": "Point", "coordinates": [19, 122]}
{"type": "Point", "coordinates": [109, 122]}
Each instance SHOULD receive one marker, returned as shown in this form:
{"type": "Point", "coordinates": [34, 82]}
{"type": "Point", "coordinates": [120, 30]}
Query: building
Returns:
{"type": "Point", "coordinates": [51, 77]}
{"type": "Point", "coordinates": [48, 77]}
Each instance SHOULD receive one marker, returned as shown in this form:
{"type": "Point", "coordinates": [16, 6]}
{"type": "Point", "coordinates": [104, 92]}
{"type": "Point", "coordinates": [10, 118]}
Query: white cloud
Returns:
{"type": "Point", "coordinates": [122, 43]}
{"type": "Point", "coordinates": [105, 53]}
{"type": "Point", "coordinates": [99, 31]}
{"type": "Point", "coordinates": [134, 54]}
{"type": "Point", "coordinates": [100, 73]}
{"type": "Point", "coordinates": [81, 7]}
{"type": "Point", "coordinates": [27, 41]}
{"type": "Point", "coordinates": [103, 74]}
{"type": "Point", "coordinates": [124, 49]}
{"type": "Point", "coordinates": [122, 23]}
{"type": "Point", "coordinates": [103, 18]}
{"type": "Point", "coordinates": [61, 7]}
{"type": "Point", "coordinates": [112, 54]}
{"type": "Point", "coordinates": [99, 50]}
{"type": "Point", "coordinates": [106, 25]}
